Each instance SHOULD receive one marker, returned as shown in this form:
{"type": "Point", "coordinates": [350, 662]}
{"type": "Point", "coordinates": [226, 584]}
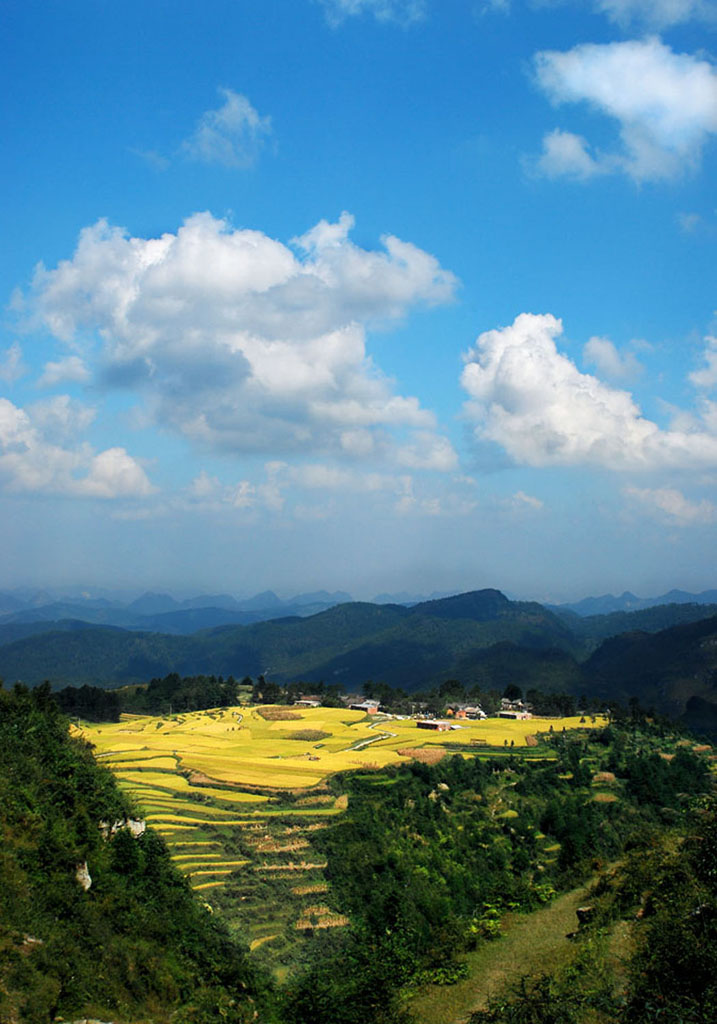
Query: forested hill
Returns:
{"type": "Point", "coordinates": [348, 644]}
{"type": "Point", "coordinates": [93, 926]}
{"type": "Point", "coordinates": [480, 638]}
{"type": "Point", "coordinates": [664, 670]}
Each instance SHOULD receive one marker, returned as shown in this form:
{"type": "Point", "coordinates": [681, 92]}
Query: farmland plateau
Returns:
{"type": "Point", "coordinates": [240, 795]}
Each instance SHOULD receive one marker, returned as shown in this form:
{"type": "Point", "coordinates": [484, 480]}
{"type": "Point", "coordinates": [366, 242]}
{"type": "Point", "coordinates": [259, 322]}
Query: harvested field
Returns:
{"type": "Point", "coordinates": [428, 755]}
{"type": "Point", "coordinates": [272, 714]}
{"type": "Point", "coordinates": [309, 735]}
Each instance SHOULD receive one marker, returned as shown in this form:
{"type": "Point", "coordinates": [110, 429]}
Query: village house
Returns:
{"type": "Point", "coordinates": [515, 709]}
{"type": "Point", "coordinates": [370, 707]}
{"type": "Point", "coordinates": [434, 723]}
{"type": "Point", "coordinates": [470, 711]}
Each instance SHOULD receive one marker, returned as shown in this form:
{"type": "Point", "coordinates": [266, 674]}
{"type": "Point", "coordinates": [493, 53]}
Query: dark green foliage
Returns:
{"type": "Point", "coordinates": [426, 861]}
{"type": "Point", "coordinates": [662, 670]}
{"type": "Point", "coordinates": [175, 694]}
{"type": "Point", "coordinates": [648, 620]}
{"type": "Point", "coordinates": [406, 647]}
{"type": "Point", "coordinates": [136, 944]}
{"type": "Point", "coordinates": [674, 973]}
{"type": "Point", "coordinates": [91, 703]}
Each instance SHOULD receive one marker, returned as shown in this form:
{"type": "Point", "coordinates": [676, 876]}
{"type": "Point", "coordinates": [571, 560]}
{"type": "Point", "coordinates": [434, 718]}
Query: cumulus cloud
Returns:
{"type": "Point", "coordinates": [241, 343]}
{"type": "Point", "coordinates": [232, 136]}
{"type": "Point", "coordinates": [568, 155]}
{"type": "Point", "coordinates": [12, 367]}
{"type": "Point", "coordinates": [670, 505]}
{"type": "Point", "coordinates": [66, 370]}
{"type": "Point", "coordinates": [33, 461]}
{"type": "Point", "coordinates": [402, 11]}
{"type": "Point", "coordinates": [656, 13]}
{"type": "Point", "coordinates": [602, 354]}
{"type": "Point", "coordinates": [664, 103]}
{"type": "Point", "coordinates": [532, 400]}
{"type": "Point", "coordinates": [706, 378]}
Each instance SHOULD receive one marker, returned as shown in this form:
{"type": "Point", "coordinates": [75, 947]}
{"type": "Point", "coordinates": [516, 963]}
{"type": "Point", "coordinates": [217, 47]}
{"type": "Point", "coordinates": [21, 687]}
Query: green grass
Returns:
{"type": "Point", "coordinates": [531, 944]}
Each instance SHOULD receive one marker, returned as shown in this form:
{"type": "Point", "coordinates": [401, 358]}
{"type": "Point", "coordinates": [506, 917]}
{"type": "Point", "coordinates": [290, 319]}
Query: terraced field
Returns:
{"type": "Point", "coordinates": [240, 797]}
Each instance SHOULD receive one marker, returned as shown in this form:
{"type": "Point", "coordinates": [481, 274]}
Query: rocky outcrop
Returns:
{"type": "Point", "coordinates": [82, 874]}
{"type": "Point", "coordinates": [135, 826]}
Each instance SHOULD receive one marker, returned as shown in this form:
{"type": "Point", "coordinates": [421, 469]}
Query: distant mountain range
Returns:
{"type": "Point", "coordinates": [665, 655]}
{"type": "Point", "coordinates": [161, 613]}
{"type": "Point", "coordinates": [628, 602]}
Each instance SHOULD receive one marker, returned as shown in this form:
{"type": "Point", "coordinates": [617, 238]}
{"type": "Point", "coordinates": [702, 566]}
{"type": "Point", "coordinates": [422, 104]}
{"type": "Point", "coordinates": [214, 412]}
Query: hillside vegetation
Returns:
{"type": "Point", "coordinates": [481, 639]}
{"type": "Point", "coordinates": [134, 945]}
{"type": "Point", "coordinates": [361, 877]}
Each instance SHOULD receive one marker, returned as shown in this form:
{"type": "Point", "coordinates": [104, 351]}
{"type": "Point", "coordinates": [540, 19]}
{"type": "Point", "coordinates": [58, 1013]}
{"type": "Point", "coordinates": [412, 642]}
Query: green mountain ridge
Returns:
{"type": "Point", "coordinates": [481, 638]}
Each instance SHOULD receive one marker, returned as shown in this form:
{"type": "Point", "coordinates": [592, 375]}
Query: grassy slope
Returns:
{"type": "Point", "coordinates": [530, 944]}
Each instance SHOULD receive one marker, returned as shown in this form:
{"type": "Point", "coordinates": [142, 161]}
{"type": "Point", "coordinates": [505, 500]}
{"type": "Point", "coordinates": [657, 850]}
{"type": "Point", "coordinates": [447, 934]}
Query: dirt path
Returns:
{"type": "Point", "coordinates": [531, 944]}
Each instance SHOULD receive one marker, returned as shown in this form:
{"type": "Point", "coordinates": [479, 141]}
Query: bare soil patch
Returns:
{"type": "Point", "coordinates": [308, 735]}
{"type": "Point", "coordinates": [428, 755]}
{"type": "Point", "coordinates": [278, 714]}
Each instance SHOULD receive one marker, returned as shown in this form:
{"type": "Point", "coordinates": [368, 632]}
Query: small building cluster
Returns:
{"type": "Point", "coordinates": [473, 712]}
{"type": "Point", "coordinates": [437, 724]}
{"type": "Point", "coordinates": [515, 709]}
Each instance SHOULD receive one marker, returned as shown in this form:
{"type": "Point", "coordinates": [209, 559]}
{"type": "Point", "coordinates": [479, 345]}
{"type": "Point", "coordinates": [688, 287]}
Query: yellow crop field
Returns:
{"type": "Point", "coordinates": [244, 749]}
{"type": "Point", "coordinates": [221, 788]}
{"type": "Point", "coordinates": [122, 762]}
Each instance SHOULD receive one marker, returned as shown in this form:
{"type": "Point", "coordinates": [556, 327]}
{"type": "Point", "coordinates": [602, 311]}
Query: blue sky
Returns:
{"type": "Point", "coordinates": [372, 294]}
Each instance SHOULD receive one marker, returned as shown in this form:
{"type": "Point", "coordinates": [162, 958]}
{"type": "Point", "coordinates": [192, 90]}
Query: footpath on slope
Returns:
{"type": "Point", "coordinates": [530, 945]}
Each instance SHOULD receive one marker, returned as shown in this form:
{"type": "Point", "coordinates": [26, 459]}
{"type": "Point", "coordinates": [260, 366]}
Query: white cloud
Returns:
{"type": "Point", "coordinates": [61, 417]}
{"type": "Point", "coordinates": [428, 452]}
{"type": "Point", "coordinates": [533, 401]}
{"type": "Point", "coordinates": [32, 460]}
{"type": "Point", "coordinates": [656, 13]}
{"type": "Point", "coordinates": [522, 500]}
{"type": "Point", "coordinates": [567, 155]}
{"type": "Point", "coordinates": [70, 368]}
{"type": "Point", "coordinates": [12, 367]}
{"type": "Point", "coordinates": [602, 354]}
{"type": "Point", "coordinates": [231, 136]}
{"type": "Point", "coordinates": [706, 378]}
{"type": "Point", "coordinates": [326, 490]}
{"type": "Point", "coordinates": [689, 222]}
{"type": "Point", "coordinates": [665, 105]}
{"type": "Point", "coordinates": [114, 474]}
{"type": "Point", "coordinates": [239, 343]}
{"type": "Point", "coordinates": [671, 505]}
{"type": "Point", "coordinates": [402, 11]}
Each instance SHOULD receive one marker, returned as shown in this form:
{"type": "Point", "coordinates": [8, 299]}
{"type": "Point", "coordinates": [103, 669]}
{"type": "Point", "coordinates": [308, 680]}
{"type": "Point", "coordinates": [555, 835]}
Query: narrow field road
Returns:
{"type": "Point", "coordinates": [531, 944]}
